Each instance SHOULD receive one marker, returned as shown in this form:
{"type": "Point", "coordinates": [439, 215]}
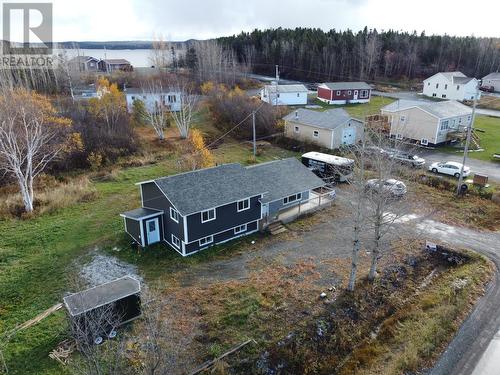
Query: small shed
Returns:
{"type": "Point", "coordinates": [105, 307]}
{"type": "Point", "coordinates": [144, 225]}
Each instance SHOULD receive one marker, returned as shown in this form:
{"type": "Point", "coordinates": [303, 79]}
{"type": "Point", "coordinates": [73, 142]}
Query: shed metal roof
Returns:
{"type": "Point", "coordinates": [494, 75]}
{"type": "Point", "coordinates": [101, 295]}
{"type": "Point", "coordinates": [329, 119]}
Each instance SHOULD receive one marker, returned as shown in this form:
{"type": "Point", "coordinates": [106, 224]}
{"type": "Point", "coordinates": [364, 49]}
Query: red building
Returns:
{"type": "Point", "coordinates": [344, 92]}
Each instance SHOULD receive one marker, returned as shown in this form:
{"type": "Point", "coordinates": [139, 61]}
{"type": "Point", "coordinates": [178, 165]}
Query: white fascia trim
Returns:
{"type": "Point", "coordinates": [331, 139]}
{"type": "Point", "coordinates": [142, 234]}
{"type": "Point", "coordinates": [142, 217]}
{"type": "Point", "coordinates": [184, 222]}
{"type": "Point", "coordinates": [173, 247]}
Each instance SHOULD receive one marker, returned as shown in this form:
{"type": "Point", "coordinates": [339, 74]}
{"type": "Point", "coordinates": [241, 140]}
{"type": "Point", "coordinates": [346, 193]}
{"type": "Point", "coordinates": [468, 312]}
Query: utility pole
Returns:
{"type": "Point", "coordinates": [469, 135]}
{"type": "Point", "coordinates": [254, 137]}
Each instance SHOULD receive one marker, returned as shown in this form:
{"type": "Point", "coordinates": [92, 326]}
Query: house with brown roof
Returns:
{"type": "Point", "coordinates": [110, 65]}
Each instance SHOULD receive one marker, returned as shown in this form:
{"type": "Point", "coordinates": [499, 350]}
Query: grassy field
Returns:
{"type": "Point", "coordinates": [37, 255]}
{"type": "Point", "coordinates": [360, 110]}
{"type": "Point", "coordinates": [488, 130]}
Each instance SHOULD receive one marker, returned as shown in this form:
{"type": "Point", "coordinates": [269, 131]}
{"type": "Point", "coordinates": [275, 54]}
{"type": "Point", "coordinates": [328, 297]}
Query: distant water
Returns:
{"type": "Point", "coordinates": [137, 57]}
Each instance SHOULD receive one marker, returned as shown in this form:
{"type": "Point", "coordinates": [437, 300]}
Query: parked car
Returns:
{"type": "Point", "coordinates": [450, 168]}
{"type": "Point", "coordinates": [408, 159]}
{"type": "Point", "coordinates": [390, 186]}
{"type": "Point", "coordinates": [487, 88]}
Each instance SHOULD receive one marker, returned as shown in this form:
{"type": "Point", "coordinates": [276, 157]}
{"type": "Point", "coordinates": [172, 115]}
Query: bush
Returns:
{"type": "Point", "coordinates": [52, 196]}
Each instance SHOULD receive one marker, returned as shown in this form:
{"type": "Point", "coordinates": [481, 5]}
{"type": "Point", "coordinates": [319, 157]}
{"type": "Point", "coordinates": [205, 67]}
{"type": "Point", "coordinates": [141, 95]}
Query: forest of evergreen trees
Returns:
{"type": "Point", "coordinates": [317, 55]}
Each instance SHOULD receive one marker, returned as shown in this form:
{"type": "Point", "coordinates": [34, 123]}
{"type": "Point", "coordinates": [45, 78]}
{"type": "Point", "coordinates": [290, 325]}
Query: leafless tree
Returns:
{"type": "Point", "coordinates": [28, 140]}
{"type": "Point", "coordinates": [183, 116]}
{"type": "Point", "coordinates": [160, 53]}
{"type": "Point", "coordinates": [157, 113]}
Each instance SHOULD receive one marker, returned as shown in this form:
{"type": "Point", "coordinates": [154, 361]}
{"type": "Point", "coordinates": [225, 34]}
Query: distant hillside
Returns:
{"type": "Point", "coordinates": [131, 44]}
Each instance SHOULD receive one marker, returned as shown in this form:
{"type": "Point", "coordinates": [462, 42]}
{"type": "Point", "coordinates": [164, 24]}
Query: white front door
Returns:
{"type": "Point", "coordinates": [152, 231]}
{"type": "Point", "coordinates": [355, 97]}
{"type": "Point", "coordinates": [349, 136]}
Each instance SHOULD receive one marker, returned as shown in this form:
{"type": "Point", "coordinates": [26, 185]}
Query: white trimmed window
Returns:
{"type": "Point", "coordinates": [402, 118]}
{"type": "Point", "coordinates": [296, 129]}
{"type": "Point", "coordinates": [206, 240]}
{"type": "Point", "coordinates": [446, 86]}
{"type": "Point", "coordinates": [240, 229]}
{"type": "Point", "coordinates": [315, 134]}
{"type": "Point", "coordinates": [338, 92]}
{"type": "Point", "coordinates": [437, 85]}
{"type": "Point", "coordinates": [444, 125]}
{"type": "Point", "coordinates": [208, 215]}
{"type": "Point", "coordinates": [424, 142]}
{"type": "Point", "coordinates": [458, 87]}
{"type": "Point", "coordinates": [176, 242]}
{"type": "Point", "coordinates": [443, 96]}
{"type": "Point", "coordinates": [244, 204]}
{"type": "Point", "coordinates": [399, 136]}
{"type": "Point", "coordinates": [292, 198]}
{"type": "Point", "coordinates": [174, 215]}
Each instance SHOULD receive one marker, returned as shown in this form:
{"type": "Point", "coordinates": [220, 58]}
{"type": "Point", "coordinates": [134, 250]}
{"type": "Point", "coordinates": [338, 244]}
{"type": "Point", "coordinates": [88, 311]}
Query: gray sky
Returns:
{"type": "Point", "coordinates": [104, 20]}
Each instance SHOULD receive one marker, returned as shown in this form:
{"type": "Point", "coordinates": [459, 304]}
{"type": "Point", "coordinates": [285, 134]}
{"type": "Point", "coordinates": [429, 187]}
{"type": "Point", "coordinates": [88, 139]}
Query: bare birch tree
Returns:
{"type": "Point", "coordinates": [157, 112]}
{"type": "Point", "coordinates": [184, 113]}
{"type": "Point", "coordinates": [31, 136]}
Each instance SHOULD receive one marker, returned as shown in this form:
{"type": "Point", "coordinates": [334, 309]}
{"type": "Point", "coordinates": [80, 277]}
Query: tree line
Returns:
{"type": "Point", "coordinates": [317, 55]}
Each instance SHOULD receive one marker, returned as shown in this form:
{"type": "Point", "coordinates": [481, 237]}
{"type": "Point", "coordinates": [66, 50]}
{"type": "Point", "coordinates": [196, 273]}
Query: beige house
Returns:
{"type": "Point", "coordinates": [330, 129]}
{"type": "Point", "coordinates": [427, 122]}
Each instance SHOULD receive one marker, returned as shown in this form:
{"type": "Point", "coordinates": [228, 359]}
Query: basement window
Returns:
{"type": "Point", "coordinates": [315, 134]}
{"type": "Point", "coordinates": [206, 240]}
{"type": "Point", "coordinates": [176, 242]}
{"type": "Point", "coordinates": [296, 129]}
{"type": "Point", "coordinates": [424, 142]}
{"type": "Point", "coordinates": [240, 229]}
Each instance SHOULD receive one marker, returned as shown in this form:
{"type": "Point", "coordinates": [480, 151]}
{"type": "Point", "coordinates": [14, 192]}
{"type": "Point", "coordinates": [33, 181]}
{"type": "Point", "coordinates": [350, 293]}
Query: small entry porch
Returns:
{"type": "Point", "coordinates": [144, 225]}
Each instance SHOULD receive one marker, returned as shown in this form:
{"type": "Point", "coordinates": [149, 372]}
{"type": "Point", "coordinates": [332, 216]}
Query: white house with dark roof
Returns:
{"type": "Point", "coordinates": [344, 92]}
{"type": "Point", "coordinates": [428, 123]}
{"type": "Point", "coordinates": [493, 80]}
{"type": "Point", "coordinates": [451, 85]}
{"type": "Point", "coordinates": [331, 129]}
{"type": "Point", "coordinates": [195, 210]}
{"type": "Point", "coordinates": [284, 94]}
{"type": "Point", "coordinates": [152, 99]}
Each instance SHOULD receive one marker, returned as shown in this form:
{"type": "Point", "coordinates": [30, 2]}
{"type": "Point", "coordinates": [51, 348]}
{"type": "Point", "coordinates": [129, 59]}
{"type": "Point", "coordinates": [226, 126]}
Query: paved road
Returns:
{"type": "Point", "coordinates": [489, 168]}
{"type": "Point", "coordinates": [412, 95]}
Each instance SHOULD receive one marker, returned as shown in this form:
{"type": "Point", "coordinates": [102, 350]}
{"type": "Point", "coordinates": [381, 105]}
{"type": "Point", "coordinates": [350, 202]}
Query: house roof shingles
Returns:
{"type": "Point", "coordinates": [200, 190]}
{"type": "Point", "coordinates": [494, 75]}
{"type": "Point", "coordinates": [286, 88]}
{"type": "Point", "coordinates": [329, 119]}
{"type": "Point", "coordinates": [445, 109]}
{"type": "Point", "coordinates": [347, 85]}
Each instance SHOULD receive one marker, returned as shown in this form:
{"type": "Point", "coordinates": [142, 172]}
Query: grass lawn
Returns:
{"type": "Point", "coordinates": [36, 255]}
{"type": "Point", "coordinates": [360, 110]}
{"type": "Point", "coordinates": [488, 130]}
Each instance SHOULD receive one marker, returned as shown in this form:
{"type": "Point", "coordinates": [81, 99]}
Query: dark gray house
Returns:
{"type": "Point", "coordinates": [195, 210]}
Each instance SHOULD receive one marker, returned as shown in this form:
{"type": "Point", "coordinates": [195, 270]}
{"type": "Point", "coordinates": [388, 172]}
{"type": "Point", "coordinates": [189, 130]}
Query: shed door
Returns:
{"type": "Point", "coordinates": [355, 95]}
{"type": "Point", "coordinates": [349, 136]}
{"type": "Point", "coordinates": [152, 231]}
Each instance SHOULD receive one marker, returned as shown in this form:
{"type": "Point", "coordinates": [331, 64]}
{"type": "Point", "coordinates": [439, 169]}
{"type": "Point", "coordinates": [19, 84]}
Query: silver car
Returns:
{"type": "Point", "coordinates": [390, 187]}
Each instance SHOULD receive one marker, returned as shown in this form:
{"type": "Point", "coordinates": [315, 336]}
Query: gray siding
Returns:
{"type": "Point", "coordinates": [154, 198]}
{"type": "Point", "coordinates": [226, 216]}
{"type": "Point", "coordinates": [133, 228]}
{"type": "Point", "coordinates": [220, 237]}
{"type": "Point", "coordinates": [275, 206]}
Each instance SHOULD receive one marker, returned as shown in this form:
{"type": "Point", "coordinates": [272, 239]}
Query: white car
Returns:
{"type": "Point", "coordinates": [450, 168]}
{"type": "Point", "coordinates": [391, 187]}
